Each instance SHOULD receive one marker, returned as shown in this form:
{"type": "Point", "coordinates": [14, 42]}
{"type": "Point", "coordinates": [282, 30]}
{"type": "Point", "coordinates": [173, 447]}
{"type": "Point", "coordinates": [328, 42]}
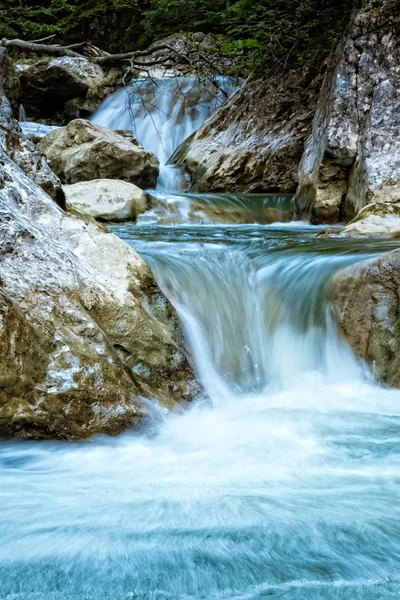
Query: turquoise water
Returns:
{"type": "Point", "coordinates": [282, 481]}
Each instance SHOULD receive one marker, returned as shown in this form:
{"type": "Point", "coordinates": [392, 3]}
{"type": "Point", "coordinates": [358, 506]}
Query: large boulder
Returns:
{"type": "Point", "coordinates": [365, 301]}
{"type": "Point", "coordinates": [353, 155]}
{"type": "Point", "coordinates": [49, 83]}
{"type": "Point", "coordinates": [107, 199]}
{"type": "Point", "coordinates": [85, 331]}
{"type": "Point", "coordinates": [86, 304]}
{"type": "Point", "coordinates": [255, 141]}
{"type": "Point", "coordinates": [83, 151]}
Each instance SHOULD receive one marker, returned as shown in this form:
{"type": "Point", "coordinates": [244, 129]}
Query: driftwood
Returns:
{"type": "Point", "coordinates": [160, 54]}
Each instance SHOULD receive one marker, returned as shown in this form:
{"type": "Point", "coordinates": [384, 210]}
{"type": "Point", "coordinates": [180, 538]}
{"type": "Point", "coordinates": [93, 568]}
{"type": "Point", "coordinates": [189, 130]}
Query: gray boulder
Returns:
{"type": "Point", "coordinates": [82, 151]}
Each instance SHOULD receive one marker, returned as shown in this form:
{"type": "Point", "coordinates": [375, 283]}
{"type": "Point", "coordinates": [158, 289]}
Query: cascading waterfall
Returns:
{"type": "Point", "coordinates": [281, 480]}
{"type": "Point", "coordinates": [162, 113]}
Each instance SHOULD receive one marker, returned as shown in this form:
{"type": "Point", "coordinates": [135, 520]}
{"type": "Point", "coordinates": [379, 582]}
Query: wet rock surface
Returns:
{"type": "Point", "coordinates": [255, 141]}
{"type": "Point", "coordinates": [83, 151]}
{"type": "Point", "coordinates": [378, 219]}
{"type": "Point", "coordinates": [365, 301]}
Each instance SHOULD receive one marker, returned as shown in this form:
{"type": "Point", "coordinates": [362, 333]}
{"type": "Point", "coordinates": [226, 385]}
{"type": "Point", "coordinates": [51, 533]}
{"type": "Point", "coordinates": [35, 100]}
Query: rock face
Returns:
{"type": "Point", "coordinates": [334, 136]}
{"type": "Point", "coordinates": [9, 82]}
{"type": "Point", "coordinates": [107, 199]}
{"type": "Point", "coordinates": [255, 141]}
{"type": "Point", "coordinates": [22, 151]}
{"type": "Point", "coordinates": [85, 332]}
{"type": "Point", "coordinates": [82, 151]}
{"type": "Point", "coordinates": [365, 300]}
{"type": "Point", "coordinates": [49, 83]}
{"type": "Point", "coordinates": [353, 155]}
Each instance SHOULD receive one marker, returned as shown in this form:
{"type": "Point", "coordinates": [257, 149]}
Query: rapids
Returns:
{"type": "Point", "coordinates": [281, 482]}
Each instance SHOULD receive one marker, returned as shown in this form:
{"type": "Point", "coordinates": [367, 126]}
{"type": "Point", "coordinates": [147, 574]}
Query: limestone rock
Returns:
{"type": "Point", "coordinates": [85, 332]}
{"type": "Point", "coordinates": [107, 199]}
{"type": "Point", "coordinates": [82, 151]}
{"type": "Point", "coordinates": [356, 126]}
{"type": "Point", "coordinates": [22, 151]}
{"type": "Point", "coordinates": [93, 315]}
{"type": "Point", "coordinates": [379, 219]}
{"type": "Point", "coordinates": [255, 141]}
{"type": "Point", "coordinates": [365, 300]}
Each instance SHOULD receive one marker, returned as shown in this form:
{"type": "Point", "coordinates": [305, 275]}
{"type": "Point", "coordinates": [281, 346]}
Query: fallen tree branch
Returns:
{"type": "Point", "coordinates": [51, 50]}
{"type": "Point", "coordinates": [92, 53]}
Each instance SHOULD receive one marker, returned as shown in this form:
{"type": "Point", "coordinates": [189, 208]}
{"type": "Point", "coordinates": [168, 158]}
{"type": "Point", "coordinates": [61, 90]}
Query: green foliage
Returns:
{"type": "Point", "coordinates": [284, 32]}
{"type": "Point", "coordinates": [30, 20]}
{"type": "Point", "coordinates": [172, 16]}
{"type": "Point", "coordinates": [264, 33]}
{"type": "Point", "coordinates": [270, 33]}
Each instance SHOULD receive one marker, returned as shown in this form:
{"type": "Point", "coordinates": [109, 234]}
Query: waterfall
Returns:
{"type": "Point", "coordinates": [282, 479]}
{"type": "Point", "coordinates": [255, 314]}
{"type": "Point", "coordinates": [282, 483]}
{"type": "Point", "coordinates": [162, 113]}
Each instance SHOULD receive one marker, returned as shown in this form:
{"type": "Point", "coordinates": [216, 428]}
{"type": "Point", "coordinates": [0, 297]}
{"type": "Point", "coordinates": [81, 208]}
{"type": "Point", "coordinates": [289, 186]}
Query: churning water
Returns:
{"type": "Point", "coordinates": [282, 482]}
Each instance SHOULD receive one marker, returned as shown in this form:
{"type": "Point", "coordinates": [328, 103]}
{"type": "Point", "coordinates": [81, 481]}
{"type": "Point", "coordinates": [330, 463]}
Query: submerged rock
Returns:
{"type": "Point", "coordinates": [365, 301]}
{"type": "Point", "coordinates": [107, 199]}
{"type": "Point", "coordinates": [82, 151]}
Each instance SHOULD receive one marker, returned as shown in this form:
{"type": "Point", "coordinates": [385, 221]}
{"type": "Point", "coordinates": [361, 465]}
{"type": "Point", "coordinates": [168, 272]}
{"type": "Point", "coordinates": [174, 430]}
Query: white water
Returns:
{"type": "Point", "coordinates": [162, 113]}
{"type": "Point", "coordinates": [282, 481]}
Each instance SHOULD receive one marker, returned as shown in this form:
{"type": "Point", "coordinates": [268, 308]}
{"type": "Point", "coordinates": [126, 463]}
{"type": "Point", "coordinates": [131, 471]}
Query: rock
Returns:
{"type": "Point", "coordinates": [333, 134]}
{"type": "Point", "coordinates": [85, 333]}
{"type": "Point", "coordinates": [255, 141]}
{"type": "Point", "coordinates": [178, 209]}
{"type": "Point", "coordinates": [353, 155]}
{"type": "Point", "coordinates": [379, 219]}
{"type": "Point", "coordinates": [107, 199]}
{"type": "Point", "coordinates": [22, 151]}
{"type": "Point", "coordinates": [82, 151]}
{"type": "Point", "coordinates": [365, 301]}
{"type": "Point", "coordinates": [49, 83]}
{"type": "Point", "coordinates": [9, 81]}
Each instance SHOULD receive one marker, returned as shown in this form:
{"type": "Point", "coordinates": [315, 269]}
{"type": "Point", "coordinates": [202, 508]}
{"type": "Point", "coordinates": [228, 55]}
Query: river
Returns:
{"type": "Point", "coordinates": [281, 481]}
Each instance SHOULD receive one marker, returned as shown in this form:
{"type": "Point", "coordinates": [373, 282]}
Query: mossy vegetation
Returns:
{"type": "Point", "coordinates": [265, 33]}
